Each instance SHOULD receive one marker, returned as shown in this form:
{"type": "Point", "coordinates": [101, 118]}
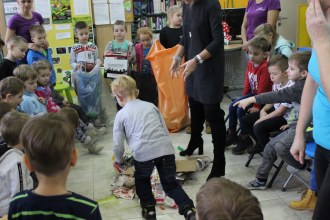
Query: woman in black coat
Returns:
{"type": "Point", "coordinates": [202, 46]}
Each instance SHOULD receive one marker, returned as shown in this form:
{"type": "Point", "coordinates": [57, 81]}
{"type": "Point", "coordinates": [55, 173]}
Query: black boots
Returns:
{"type": "Point", "coordinates": [192, 146]}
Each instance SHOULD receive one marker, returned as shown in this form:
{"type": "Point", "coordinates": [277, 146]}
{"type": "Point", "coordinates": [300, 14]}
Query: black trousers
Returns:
{"type": "Point", "coordinates": [215, 116]}
{"type": "Point", "coordinates": [322, 175]}
{"type": "Point", "coordinates": [260, 132]}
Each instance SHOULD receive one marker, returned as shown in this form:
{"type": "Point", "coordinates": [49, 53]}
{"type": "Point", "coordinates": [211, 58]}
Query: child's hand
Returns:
{"type": "Point", "coordinates": [245, 102]}
{"type": "Point", "coordinates": [174, 69]}
{"type": "Point", "coordinates": [263, 113]}
{"type": "Point", "coordinates": [284, 127]}
{"type": "Point", "coordinates": [98, 62]}
{"type": "Point", "coordinates": [78, 66]}
{"type": "Point", "coordinates": [118, 167]}
{"type": "Point", "coordinates": [41, 100]}
{"type": "Point", "coordinates": [66, 103]}
{"type": "Point", "coordinates": [130, 57]}
{"type": "Point", "coordinates": [252, 110]}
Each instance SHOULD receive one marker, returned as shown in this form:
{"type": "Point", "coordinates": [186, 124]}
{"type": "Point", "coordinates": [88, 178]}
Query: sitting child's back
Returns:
{"type": "Point", "coordinates": [48, 141]}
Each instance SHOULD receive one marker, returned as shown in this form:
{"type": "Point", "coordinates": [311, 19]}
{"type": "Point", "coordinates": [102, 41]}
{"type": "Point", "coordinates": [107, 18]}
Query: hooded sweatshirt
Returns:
{"type": "Point", "coordinates": [14, 177]}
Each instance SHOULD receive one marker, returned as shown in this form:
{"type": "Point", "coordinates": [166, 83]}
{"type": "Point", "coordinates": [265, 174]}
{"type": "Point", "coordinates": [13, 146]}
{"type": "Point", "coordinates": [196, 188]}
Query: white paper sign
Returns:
{"type": "Point", "coordinates": [43, 7]}
{"type": "Point", "coordinates": [81, 7]}
{"type": "Point", "coordinates": [63, 27]}
{"type": "Point", "coordinates": [64, 35]}
{"type": "Point", "coordinates": [101, 14]}
{"type": "Point", "coordinates": [117, 12]}
{"type": "Point", "coordinates": [10, 7]}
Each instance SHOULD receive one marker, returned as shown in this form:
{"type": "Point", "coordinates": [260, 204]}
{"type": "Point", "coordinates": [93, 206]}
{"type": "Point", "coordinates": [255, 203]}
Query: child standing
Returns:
{"type": "Point", "coordinates": [144, 77]}
{"type": "Point", "coordinates": [39, 38]}
{"type": "Point", "coordinates": [280, 45]}
{"type": "Point", "coordinates": [272, 116]}
{"type": "Point", "coordinates": [44, 93]}
{"type": "Point", "coordinates": [146, 134]}
{"type": "Point", "coordinates": [30, 104]}
{"type": "Point", "coordinates": [171, 35]}
{"type": "Point", "coordinates": [16, 48]}
{"type": "Point", "coordinates": [257, 81]}
{"type": "Point", "coordinates": [48, 141]}
{"type": "Point", "coordinates": [15, 177]}
{"type": "Point", "coordinates": [86, 66]}
{"type": "Point", "coordinates": [120, 46]}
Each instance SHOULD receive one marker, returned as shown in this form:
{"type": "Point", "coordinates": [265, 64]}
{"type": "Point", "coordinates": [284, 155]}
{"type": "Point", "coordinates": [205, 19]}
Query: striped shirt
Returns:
{"type": "Point", "coordinates": [27, 205]}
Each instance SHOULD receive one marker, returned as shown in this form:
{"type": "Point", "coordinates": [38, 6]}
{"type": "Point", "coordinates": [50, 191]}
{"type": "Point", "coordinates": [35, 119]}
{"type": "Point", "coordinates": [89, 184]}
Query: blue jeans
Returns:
{"type": "Point", "coordinates": [166, 168]}
{"type": "Point", "coordinates": [236, 112]}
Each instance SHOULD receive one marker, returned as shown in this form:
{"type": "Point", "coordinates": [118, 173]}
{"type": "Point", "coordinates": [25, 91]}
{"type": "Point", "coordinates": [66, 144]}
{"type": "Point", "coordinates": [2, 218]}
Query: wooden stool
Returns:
{"type": "Point", "coordinates": [64, 90]}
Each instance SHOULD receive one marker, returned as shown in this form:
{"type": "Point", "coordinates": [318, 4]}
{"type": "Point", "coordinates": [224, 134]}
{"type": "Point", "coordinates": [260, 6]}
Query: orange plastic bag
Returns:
{"type": "Point", "coordinates": [172, 99]}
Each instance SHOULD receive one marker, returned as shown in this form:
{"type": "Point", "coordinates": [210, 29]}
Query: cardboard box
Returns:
{"type": "Point", "coordinates": [182, 166]}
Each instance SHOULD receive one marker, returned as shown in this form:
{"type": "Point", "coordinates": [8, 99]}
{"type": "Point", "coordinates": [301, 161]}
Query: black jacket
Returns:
{"type": "Point", "coordinates": [202, 29]}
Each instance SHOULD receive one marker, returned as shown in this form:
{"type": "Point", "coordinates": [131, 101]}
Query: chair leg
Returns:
{"type": "Point", "coordinates": [68, 95]}
{"type": "Point", "coordinates": [287, 182]}
{"type": "Point", "coordinates": [275, 174]}
{"type": "Point", "coordinates": [249, 160]}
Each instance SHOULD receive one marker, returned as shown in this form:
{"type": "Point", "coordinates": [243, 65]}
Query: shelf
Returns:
{"type": "Point", "coordinates": [163, 14]}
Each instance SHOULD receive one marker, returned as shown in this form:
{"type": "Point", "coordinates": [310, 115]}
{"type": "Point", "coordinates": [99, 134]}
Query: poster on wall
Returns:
{"type": "Point", "coordinates": [43, 7]}
{"type": "Point", "coordinates": [10, 8]}
{"type": "Point", "coordinates": [88, 20]}
{"type": "Point", "coordinates": [61, 11]}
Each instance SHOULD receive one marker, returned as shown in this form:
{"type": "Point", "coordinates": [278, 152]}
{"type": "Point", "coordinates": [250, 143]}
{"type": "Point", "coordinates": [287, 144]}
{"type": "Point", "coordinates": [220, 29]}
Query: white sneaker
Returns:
{"type": "Point", "coordinates": [87, 142]}
{"type": "Point", "coordinates": [94, 149]}
{"type": "Point", "coordinates": [90, 126]}
{"type": "Point", "coordinates": [96, 132]}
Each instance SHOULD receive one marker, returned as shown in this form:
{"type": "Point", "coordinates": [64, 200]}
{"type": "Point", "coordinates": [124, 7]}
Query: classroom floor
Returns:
{"type": "Point", "coordinates": [93, 175]}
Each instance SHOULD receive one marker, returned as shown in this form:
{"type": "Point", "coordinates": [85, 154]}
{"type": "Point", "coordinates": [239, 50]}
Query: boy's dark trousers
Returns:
{"type": "Point", "coordinates": [166, 168]}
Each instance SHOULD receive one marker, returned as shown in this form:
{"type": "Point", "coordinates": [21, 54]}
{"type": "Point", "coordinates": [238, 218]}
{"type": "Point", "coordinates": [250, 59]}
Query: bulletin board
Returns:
{"type": "Point", "coordinates": [60, 17]}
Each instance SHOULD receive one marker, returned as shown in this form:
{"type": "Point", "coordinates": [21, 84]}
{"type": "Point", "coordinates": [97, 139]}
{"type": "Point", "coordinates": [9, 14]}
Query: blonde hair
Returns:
{"type": "Point", "coordinates": [12, 124]}
{"type": "Point", "coordinates": [144, 30]}
{"type": "Point", "coordinates": [265, 29]}
{"type": "Point", "coordinates": [41, 65]}
{"type": "Point", "coordinates": [25, 72]}
{"type": "Point", "coordinates": [220, 198]}
{"type": "Point", "coordinates": [17, 41]}
{"type": "Point", "coordinates": [124, 86]}
{"type": "Point", "coordinates": [171, 11]}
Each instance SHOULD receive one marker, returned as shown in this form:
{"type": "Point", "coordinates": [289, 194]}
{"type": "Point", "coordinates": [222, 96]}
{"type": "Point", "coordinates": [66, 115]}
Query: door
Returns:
{"type": "Point", "coordinates": [288, 25]}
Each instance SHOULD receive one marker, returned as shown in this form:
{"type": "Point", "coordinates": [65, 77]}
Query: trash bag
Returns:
{"type": "Point", "coordinates": [89, 87]}
{"type": "Point", "coordinates": [172, 99]}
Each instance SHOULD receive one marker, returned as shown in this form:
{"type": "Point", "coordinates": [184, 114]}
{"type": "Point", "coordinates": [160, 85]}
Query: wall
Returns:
{"type": "Point", "coordinates": [289, 27]}
{"type": "Point", "coordinates": [233, 3]}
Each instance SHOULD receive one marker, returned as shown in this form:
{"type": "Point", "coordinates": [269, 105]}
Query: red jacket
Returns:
{"type": "Point", "coordinates": [257, 80]}
{"type": "Point", "coordinates": [139, 56]}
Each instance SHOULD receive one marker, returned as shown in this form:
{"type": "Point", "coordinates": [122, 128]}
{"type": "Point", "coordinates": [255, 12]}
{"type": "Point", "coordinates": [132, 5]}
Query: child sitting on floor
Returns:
{"type": "Point", "coordinates": [14, 175]}
{"type": "Point", "coordinates": [48, 142]}
{"type": "Point", "coordinates": [30, 104]}
{"type": "Point", "coordinates": [220, 198]}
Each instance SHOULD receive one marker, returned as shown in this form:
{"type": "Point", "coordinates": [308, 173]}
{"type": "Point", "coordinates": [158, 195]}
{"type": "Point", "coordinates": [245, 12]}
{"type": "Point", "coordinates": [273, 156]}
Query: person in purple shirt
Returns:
{"type": "Point", "coordinates": [258, 12]}
{"type": "Point", "coordinates": [20, 23]}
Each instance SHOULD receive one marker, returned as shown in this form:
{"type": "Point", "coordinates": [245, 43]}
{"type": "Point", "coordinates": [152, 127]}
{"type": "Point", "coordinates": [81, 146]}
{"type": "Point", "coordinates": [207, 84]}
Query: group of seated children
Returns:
{"type": "Point", "coordinates": [262, 112]}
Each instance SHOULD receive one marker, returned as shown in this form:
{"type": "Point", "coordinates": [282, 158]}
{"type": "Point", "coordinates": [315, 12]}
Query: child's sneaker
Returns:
{"type": "Point", "coordinates": [87, 142]}
{"type": "Point", "coordinates": [96, 132]}
{"type": "Point", "coordinates": [190, 213]}
{"type": "Point", "coordinates": [94, 149]}
{"type": "Point", "coordinates": [149, 213]}
{"type": "Point", "coordinates": [90, 126]}
{"type": "Point", "coordinates": [257, 184]}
